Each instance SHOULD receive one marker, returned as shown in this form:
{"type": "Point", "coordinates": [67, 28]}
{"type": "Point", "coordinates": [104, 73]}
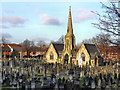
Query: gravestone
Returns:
{"type": "Point", "coordinates": [93, 84]}
{"type": "Point", "coordinates": [71, 78]}
{"type": "Point", "coordinates": [96, 80]}
{"type": "Point", "coordinates": [86, 81]}
{"type": "Point", "coordinates": [13, 82]}
{"type": "Point", "coordinates": [76, 83]}
{"type": "Point", "coordinates": [103, 85]}
{"type": "Point", "coordinates": [33, 84]}
{"type": "Point", "coordinates": [45, 71]}
{"type": "Point", "coordinates": [26, 84]}
{"type": "Point", "coordinates": [99, 83]}
{"type": "Point", "coordinates": [71, 63]}
{"type": "Point", "coordinates": [18, 84]}
{"type": "Point", "coordinates": [61, 86]}
{"type": "Point", "coordinates": [69, 85]}
{"type": "Point", "coordinates": [116, 83]}
{"type": "Point", "coordinates": [56, 86]}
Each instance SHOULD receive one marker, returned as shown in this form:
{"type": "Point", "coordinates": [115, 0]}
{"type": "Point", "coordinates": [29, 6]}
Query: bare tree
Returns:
{"type": "Point", "coordinates": [5, 41]}
{"type": "Point", "coordinates": [100, 39]}
{"type": "Point", "coordinates": [61, 39]}
{"type": "Point", "coordinates": [32, 44]}
{"type": "Point", "coordinates": [109, 22]}
{"type": "Point", "coordinates": [26, 46]}
{"type": "Point", "coordinates": [41, 43]}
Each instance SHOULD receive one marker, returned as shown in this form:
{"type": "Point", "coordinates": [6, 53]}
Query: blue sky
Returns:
{"type": "Point", "coordinates": [48, 21]}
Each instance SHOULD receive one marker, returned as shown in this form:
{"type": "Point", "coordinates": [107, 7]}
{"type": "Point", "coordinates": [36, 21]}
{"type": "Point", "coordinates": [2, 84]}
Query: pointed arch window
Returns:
{"type": "Point", "coordinates": [51, 56]}
{"type": "Point", "coordinates": [83, 56]}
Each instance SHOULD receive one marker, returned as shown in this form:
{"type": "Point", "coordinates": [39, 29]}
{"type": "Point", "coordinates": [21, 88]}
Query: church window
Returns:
{"type": "Point", "coordinates": [51, 56]}
{"type": "Point", "coordinates": [83, 56]}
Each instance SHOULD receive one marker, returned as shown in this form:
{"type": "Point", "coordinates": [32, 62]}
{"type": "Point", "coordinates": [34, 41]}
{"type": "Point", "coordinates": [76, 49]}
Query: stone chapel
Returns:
{"type": "Point", "coordinates": [64, 53]}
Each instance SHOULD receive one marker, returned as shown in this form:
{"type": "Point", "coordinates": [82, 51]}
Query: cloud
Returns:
{"type": "Point", "coordinates": [49, 20]}
{"type": "Point", "coordinates": [5, 35]}
{"type": "Point", "coordinates": [8, 11]}
{"type": "Point", "coordinates": [83, 14]}
{"type": "Point", "coordinates": [4, 27]}
{"type": "Point", "coordinates": [13, 21]}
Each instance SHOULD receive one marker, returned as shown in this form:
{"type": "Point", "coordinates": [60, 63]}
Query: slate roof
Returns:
{"type": "Point", "coordinates": [58, 47]}
{"type": "Point", "coordinates": [92, 49]}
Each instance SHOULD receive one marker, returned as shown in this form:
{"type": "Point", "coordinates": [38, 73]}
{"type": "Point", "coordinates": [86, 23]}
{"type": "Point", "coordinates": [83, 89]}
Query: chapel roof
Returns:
{"type": "Point", "coordinates": [92, 49]}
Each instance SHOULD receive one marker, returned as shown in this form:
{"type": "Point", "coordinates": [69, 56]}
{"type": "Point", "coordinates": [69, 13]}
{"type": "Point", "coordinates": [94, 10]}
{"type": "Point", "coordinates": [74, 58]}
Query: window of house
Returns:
{"type": "Point", "coordinates": [51, 56]}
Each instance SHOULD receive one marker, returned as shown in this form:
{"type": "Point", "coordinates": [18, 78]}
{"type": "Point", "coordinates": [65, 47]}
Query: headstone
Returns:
{"type": "Point", "coordinates": [93, 84]}
{"type": "Point", "coordinates": [33, 84]}
{"type": "Point", "coordinates": [61, 86]}
{"type": "Point", "coordinates": [18, 84]}
{"type": "Point", "coordinates": [86, 81]}
{"type": "Point", "coordinates": [71, 63]}
{"type": "Point", "coordinates": [44, 70]}
{"type": "Point", "coordinates": [99, 83]}
{"type": "Point", "coordinates": [76, 83]}
{"type": "Point", "coordinates": [14, 82]}
{"type": "Point", "coordinates": [96, 80]}
{"type": "Point", "coordinates": [56, 86]}
{"type": "Point", "coordinates": [63, 80]}
{"type": "Point", "coordinates": [71, 78]}
{"type": "Point", "coordinates": [26, 84]}
{"type": "Point", "coordinates": [103, 85]}
{"type": "Point", "coordinates": [116, 83]}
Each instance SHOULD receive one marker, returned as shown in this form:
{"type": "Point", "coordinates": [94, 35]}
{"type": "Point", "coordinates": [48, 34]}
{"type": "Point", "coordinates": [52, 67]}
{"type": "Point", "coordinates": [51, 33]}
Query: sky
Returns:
{"type": "Point", "coordinates": [47, 21]}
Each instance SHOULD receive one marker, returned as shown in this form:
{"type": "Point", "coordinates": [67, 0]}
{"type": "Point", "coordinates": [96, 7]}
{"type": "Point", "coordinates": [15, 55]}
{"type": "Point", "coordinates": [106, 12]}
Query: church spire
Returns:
{"type": "Point", "coordinates": [69, 27]}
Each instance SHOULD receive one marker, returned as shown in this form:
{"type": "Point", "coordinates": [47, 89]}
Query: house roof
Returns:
{"type": "Point", "coordinates": [92, 49]}
{"type": "Point", "coordinates": [36, 49]}
{"type": "Point", "coordinates": [12, 45]}
{"type": "Point", "coordinates": [58, 47]}
{"type": "Point", "coordinates": [6, 47]}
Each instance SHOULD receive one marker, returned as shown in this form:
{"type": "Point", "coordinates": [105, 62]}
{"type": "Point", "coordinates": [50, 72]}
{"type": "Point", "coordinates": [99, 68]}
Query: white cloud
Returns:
{"type": "Point", "coordinates": [83, 14]}
{"type": "Point", "coordinates": [9, 11]}
{"type": "Point", "coordinates": [5, 35]}
{"type": "Point", "coordinates": [13, 21]}
{"type": "Point", "coordinates": [49, 20]}
{"type": "Point", "coordinates": [4, 27]}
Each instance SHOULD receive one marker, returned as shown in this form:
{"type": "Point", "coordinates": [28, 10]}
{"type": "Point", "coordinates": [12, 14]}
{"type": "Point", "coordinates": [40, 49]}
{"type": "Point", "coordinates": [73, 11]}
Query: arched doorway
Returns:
{"type": "Point", "coordinates": [66, 58]}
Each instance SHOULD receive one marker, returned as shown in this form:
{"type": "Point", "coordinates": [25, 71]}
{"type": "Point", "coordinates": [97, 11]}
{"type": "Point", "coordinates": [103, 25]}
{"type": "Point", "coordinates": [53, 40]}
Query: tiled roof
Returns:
{"type": "Point", "coordinates": [12, 45]}
{"type": "Point", "coordinates": [16, 47]}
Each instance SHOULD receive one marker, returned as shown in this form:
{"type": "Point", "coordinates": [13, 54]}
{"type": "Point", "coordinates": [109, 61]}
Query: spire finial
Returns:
{"type": "Point", "coordinates": [70, 8]}
{"type": "Point", "coordinates": [69, 28]}
{"type": "Point", "coordinates": [69, 11]}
